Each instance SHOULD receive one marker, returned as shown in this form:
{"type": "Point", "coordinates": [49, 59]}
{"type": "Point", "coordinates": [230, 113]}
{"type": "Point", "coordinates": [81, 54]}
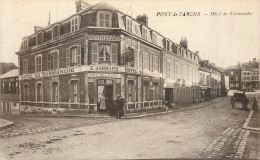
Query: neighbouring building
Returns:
{"type": "Point", "coordinates": [10, 97]}
{"type": "Point", "coordinates": [180, 73]}
{"type": "Point", "coordinates": [204, 83]}
{"type": "Point", "coordinates": [250, 75]}
{"type": "Point", "coordinates": [235, 76]}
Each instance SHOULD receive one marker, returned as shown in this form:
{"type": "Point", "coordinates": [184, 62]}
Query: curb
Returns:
{"type": "Point", "coordinates": [182, 109]}
{"type": "Point", "coordinates": [247, 121]}
{"type": "Point", "coordinates": [7, 126]}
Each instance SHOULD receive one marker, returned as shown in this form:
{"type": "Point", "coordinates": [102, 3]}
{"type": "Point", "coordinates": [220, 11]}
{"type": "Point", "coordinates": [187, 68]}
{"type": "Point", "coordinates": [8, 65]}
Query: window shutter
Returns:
{"type": "Point", "coordinates": [114, 53]}
{"type": "Point", "coordinates": [49, 61]}
{"type": "Point", "coordinates": [94, 51]}
{"type": "Point", "coordinates": [58, 31]}
{"type": "Point", "coordinates": [67, 57]}
{"type": "Point", "coordinates": [79, 54]}
{"type": "Point", "coordinates": [151, 62]}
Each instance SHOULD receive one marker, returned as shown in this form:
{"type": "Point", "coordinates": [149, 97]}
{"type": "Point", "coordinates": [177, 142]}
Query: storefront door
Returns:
{"type": "Point", "coordinates": [105, 87]}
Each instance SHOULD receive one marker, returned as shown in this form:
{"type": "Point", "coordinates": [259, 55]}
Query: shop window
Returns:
{"type": "Point", "coordinates": [74, 91]}
{"type": "Point", "coordinates": [55, 91]}
{"type": "Point", "coordinates": [53, 60]}
{"type": "Point", "coordinates": [56, 31]}
{"type": "Point", "coordinates": [146, 91]}
{"type": "Point", "coordinates": [104, 19]}
{"type": "Point", "coordinates": [25, 66]}
{"type": "Point", "coordinates": [26, 92]}
{"type": "Point", "coordinates": [38, 63]}
{"type": "Point", "coordinates": [74, 24]}
{"type": "Point", "coordinates": [73, 56]}
{"type": "Point", "coordinates": [156, 91]}
{"type": "Point", "coordinates": [39, 91]}
{"type": "Point", "coordinates": [104, 53]}
{"type": "Point", "coordinates": [130, 91]}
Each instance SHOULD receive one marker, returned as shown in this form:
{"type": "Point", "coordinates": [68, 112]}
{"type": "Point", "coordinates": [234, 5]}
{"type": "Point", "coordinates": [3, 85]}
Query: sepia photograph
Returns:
{"type": "Point", "coordinates": [137, 79]}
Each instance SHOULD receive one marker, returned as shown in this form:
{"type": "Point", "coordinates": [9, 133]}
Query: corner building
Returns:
{"type": "Point", "coordinates": [98, 50]}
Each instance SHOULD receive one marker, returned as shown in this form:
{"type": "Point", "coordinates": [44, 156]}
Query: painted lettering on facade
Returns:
{"type": "Point", "coordinates": [103, 37]}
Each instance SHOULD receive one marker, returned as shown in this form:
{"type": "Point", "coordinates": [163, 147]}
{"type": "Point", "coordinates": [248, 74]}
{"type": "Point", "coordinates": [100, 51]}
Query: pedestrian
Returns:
{"type": "Point", "coordinates": [255, 105]}
{"type": "Point", "coordinates": [111, 106]}
{"type": "Point", "coordinates": [233, 101]}
{"type": "Point", "coordinates": [102, 102]}
{"type": "Point", "coordinates": [245, 101]}
{"type": "Point", "coordinates": [120, 103]}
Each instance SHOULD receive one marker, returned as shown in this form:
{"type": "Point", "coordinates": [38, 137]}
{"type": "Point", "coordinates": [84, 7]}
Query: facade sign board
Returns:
{"type": "Point", "coordinates": [103, 37]}
{"type": "Point", "coordinates": [104, 75]}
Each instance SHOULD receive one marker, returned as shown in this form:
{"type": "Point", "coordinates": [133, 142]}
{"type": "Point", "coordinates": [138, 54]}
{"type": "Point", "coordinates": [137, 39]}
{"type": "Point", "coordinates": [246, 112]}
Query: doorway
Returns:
{"type": "Point", "coordinates": [168, 96]}
{"type": "Point", "coordinates": [105, 88]}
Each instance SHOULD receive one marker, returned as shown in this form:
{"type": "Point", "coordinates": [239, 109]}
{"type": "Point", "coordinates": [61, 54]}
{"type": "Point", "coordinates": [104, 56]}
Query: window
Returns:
{"type": "Point", "coordinates": [38, 63]}
{"type": "Point", "coordinates": [144, 33]}
{"type": "Point", "coordinates": [156, 91]}
{"type": "Point", "coordinates": [25, 43]}
{"type": "Point", "coordinates": [154, 38]}
{"type": "Point", "coordinates": [167, 45]}
{"type": "Point", "coordinates": [237, 84]}
{"type": "Point", "coordinates": [145, 91]}
{"type": "Point", "coordinates": [74, 24]}
{"type": "Point", "coordinates": [55, 92]}
{"type": "Point", "coordinates": [53, 60]}
{"type": "Point", "coordinates": [129, 25]}
{"type": "Point", "coordinates": [168, 69]}
{"type": "Point", "coordinates": [39, 91]}
{"type": "Point", "coordinates": [155, 63]}
{"type": "Point", "coordinates": [231, 73]}
{"type": "Point", "coordinates": [104, 52]}
{"type": "Point", "coordinates": [56, 31]}
{"type": "Point", "coordinates": [236, 78]}
{"type": "Point", "coordinates": [74, 91]}
{"type": "Point", "coordinates": [26, 92]}
{"type": "Point", "coordinates": [146, 60]}
{"type": "Point", "coordinates": [73, 56]}
{"type": "Point", "coordinates": [131, 91]}
{"type": "Point", "coordinates": [231, 78]}
{"type": "Point", "coordinates": [39, 37]}
{"type": "Point", "coordinates": [25, 66]}
{"type": "Point", "coordinates": [104, 19]}
{"type": "Point", "coordinates": [236, 72]}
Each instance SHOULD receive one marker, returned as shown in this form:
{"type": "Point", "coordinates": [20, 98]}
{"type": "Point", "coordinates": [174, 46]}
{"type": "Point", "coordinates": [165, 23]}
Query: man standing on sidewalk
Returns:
{"type": "Point", "coordinates": [120, 103]}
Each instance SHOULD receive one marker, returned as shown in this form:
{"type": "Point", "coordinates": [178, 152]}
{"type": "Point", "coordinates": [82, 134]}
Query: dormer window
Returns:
{"type": "Point", "coordinates": [56, 31]}
{"type": "Point", "coordinates": [39, 37]}
{"type": "Point", "coordinates": [144, 34]}
{"type": "Point", "coordinates": [74, 24]}
{"type": "Point", "coordinates": [128, 25]}
{"type": "Point", "coordinates": [154, 38]}
{"type": "Point", "coordinates": [178, 50]}
{"type": "Point", "coordinates": [25, 43]}
{"type": "Point", "coordinates": [104, 19]}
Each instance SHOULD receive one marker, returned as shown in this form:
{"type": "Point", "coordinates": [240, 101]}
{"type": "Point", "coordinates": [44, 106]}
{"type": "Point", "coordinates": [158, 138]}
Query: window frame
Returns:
{"type": "Point", "coordinates": [36, 64]}
{"type": "Point", "coordinates": [41, 91]}
{"type": "Point", "coordinates": [99, 13]}
{"type": "Point", "coordinates": [25, 45]}
{"type": "Point", "coordinates": [57, 31]}
{"type": "Point", "coordinates": [73, 25]}
{"type": "Point", "coordinates": [25, 66]}
{"type": "Point", "coordinates": [51, 61]}
{"type": "Point", "coordinates": [26, 98]}
{"type": "Point", "coordinates": [69, 56]}
{"type": "Point", "coordinates": [53, 95]}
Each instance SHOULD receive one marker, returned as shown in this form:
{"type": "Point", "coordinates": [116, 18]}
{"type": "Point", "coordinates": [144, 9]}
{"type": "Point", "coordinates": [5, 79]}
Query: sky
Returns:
{"type": "Point", "coordinates": [223, 40]}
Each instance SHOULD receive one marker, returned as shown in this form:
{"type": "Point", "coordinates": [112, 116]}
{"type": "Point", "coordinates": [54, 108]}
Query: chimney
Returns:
{"type": "Point", "coordinates": [249, 62]}
{"type": "Point", "coordinates": [37, 28]}
{"type": "Point", "coordinates": [184, 43]}
{"type": "Point", "coordinates": [143, 19]}
{"type": "Point", "coordinates": [80, 5]}
{"type": "Point", "coordinates": [254, 59]}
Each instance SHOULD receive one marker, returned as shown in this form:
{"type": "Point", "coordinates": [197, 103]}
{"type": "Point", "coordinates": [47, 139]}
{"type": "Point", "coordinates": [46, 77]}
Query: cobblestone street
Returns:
{"type": "Point", "coordinates": [213, 131]}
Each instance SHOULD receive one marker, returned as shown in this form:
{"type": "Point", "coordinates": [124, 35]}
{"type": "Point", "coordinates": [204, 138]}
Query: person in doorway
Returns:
{"type": "Point", "coordinates": [102, 102]}
{"type": "Point", "coordinates": [120, 103]}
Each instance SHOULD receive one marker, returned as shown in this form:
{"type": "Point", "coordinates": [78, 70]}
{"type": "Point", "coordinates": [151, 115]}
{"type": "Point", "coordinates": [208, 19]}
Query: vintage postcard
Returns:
{"type": "Point", "coordinates": [138, 79]}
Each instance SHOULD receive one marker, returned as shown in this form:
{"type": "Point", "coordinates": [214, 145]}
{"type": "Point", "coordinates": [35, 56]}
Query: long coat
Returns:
{"type": "Point", "coordinates": [120, 103]}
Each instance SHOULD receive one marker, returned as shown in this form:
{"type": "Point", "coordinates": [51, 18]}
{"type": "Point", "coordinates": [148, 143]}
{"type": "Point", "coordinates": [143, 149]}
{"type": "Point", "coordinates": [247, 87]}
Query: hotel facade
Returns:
{"type": "Point", "coordinates": [100, 50]}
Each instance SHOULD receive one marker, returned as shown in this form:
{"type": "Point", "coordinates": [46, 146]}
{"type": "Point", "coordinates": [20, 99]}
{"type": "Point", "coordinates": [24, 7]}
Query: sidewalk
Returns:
{"type": "Point", "coordinates": [134, 115]}
{"type": "Point", "coordinates": [5, 123]}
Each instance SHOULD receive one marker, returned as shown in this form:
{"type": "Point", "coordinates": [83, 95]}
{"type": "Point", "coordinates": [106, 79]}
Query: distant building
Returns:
{"type": "Point", "coordinates": [250, 75]}
{"type": "Point", "coordinates": [235, 76]}
{"type": "Point", "coordinates": [10, 97]}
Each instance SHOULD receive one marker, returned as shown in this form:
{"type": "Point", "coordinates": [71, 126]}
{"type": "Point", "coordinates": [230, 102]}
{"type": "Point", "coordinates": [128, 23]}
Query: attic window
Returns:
{"type": "Point", "coordinates": [144, 34]}
{"type": "Point", "coordinates": [25, 43]}
{"type": "Point", "coordinates": [104, 19]}
{"type": "Point", "coordinates": [56, 31]}
{"type": "Point", "coordinates": [74, 24]}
